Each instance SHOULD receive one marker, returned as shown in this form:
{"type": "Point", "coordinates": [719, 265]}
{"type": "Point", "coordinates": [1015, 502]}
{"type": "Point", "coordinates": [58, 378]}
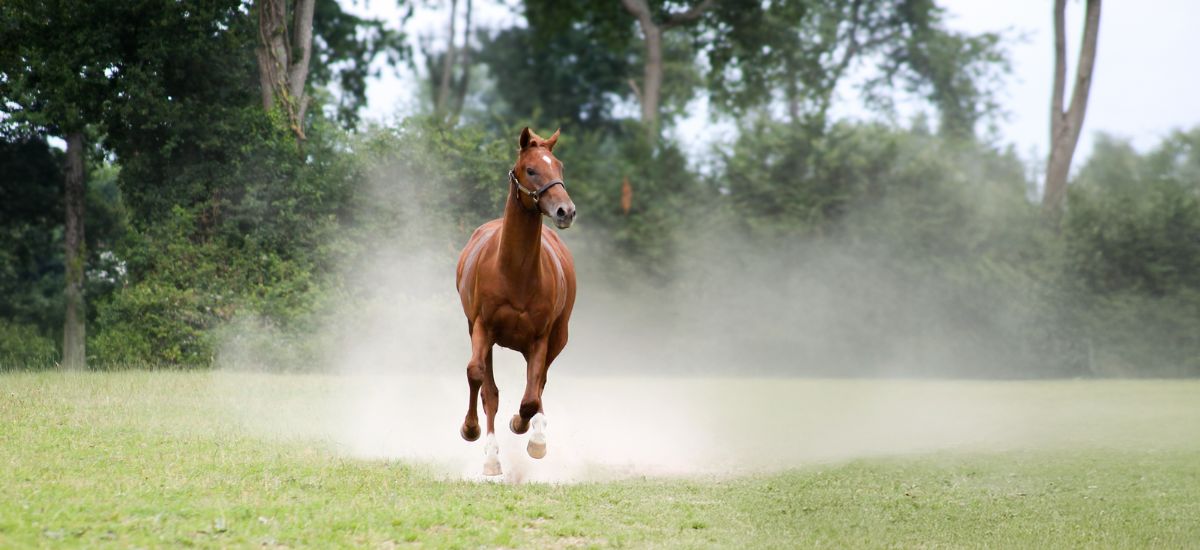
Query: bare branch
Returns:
{"type": "Point", "coordinates": [637, 8]}
{"type": "Point", "coordinates": [1060, 67]}
{"type": "Point", "coordinates": [636, 91]}
{"type": "Point", "coordinates": [1066, 126]}
{"type": "Point", "coordinates": [443, 93]}
{"type": "Point", "coordinates": [1083, 74]}
{"type": "Point", "coordinates": [640, 11]}
{"type": "Point", "coordinates": [461, 84]}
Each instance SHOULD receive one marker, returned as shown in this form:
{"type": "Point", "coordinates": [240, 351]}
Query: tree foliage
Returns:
{"type": "Point", "coordinates": [204, 217]}
{"type": "Point", "coordinates": [796, 52]}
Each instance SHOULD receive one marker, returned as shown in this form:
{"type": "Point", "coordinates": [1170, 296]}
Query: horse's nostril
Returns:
{"type": "Point", "coordinates": [562, 212]}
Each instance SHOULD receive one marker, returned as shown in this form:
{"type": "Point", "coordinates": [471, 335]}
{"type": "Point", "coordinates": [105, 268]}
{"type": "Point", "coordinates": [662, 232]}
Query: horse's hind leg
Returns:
{"type": "Point", "coordinates": [491, 403]}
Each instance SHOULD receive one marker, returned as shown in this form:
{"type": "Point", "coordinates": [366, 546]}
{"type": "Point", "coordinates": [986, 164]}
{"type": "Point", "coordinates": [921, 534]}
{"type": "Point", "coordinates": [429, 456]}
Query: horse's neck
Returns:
{"type": "Point", "coordinates": [520, 239]}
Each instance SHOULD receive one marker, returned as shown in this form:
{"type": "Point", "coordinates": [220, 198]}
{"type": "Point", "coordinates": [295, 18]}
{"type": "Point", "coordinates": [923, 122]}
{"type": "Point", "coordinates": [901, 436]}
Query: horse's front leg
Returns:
{"type": "Point", "coordinates": [479, 376]}
{"type": "Point", "coordinates": [531, 403]}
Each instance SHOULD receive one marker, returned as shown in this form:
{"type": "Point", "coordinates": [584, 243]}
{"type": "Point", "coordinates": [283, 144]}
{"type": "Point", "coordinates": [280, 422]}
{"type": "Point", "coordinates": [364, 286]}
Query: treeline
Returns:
{"type": "Point", "coordinates": [205, 207]}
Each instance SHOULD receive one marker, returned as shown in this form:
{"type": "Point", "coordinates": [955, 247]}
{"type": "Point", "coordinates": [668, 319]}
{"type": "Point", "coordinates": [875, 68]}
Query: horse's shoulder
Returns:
{"type": "Point", "coordinates": [488, 227]}
{"type": "Point", "coordinates": [481, 233]}
{"type": "Point", "coordinates": [479, 239]}
{"type": "Point", "coordinates": [556, 243]}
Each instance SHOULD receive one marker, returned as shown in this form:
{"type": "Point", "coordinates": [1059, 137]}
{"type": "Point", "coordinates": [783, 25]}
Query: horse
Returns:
{"type": "Point", "coordinates": [516, 281]}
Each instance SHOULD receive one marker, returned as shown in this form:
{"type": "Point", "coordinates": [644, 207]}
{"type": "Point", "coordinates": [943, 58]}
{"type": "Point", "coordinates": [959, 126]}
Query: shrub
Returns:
{"type": "Point", "coordinates": [22, 347]}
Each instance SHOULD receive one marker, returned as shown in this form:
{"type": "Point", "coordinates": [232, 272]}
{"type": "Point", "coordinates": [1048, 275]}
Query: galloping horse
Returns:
{"type": "Point", "coordinates": [516, 280]}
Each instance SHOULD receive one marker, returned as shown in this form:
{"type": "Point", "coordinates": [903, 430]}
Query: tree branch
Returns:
{"type": "Point", "coordinates": [682, 18]}
{"type": "Point", "coordinates": [639, 10]}
{"type": "Point", "coordinates": [443, 92]}
{"type": "Point", "coordinates": [1060, 67]}
{"type": "Point", "coordinates": [637, 92]}
{"type": "Point", "coordinates": [1083, 74]}
{"type": "Point", "coordinates": [852, 45]}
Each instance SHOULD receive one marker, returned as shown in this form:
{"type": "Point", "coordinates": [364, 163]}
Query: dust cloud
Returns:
{"type": "Point", "coordinates": [746, 360]}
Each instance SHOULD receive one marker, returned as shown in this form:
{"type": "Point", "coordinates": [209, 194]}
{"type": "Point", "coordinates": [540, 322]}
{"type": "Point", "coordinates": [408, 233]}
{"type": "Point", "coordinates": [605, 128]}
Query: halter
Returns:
{"type": "Point", "coordinates": [535, 195]}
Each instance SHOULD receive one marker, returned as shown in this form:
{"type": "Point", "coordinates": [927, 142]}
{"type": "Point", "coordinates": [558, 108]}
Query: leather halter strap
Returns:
{"type": "Point", "coordinates": [535, 195]}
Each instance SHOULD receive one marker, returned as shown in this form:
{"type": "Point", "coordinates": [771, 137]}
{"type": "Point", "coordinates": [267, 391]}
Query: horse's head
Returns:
{"type": "Point", "coordinates": [538, 177]}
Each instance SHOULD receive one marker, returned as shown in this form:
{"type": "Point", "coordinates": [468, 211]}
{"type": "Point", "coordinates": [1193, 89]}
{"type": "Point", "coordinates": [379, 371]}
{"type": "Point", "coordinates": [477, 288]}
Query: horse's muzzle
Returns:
{"type": "Point", "coordinates": [564, 215]}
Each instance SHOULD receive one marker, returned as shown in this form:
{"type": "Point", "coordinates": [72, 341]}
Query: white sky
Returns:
{"type": "Point", "coordinates": [1146, 84]}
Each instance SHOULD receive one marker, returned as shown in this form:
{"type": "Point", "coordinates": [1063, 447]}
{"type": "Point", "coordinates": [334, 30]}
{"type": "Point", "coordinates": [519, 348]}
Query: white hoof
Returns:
{"type": "Point", "coordinates": [491, 466]}
{"type": "Point", "coordinates": [537, 437]}
{"type": "Point", "coordinates": [491, 457]}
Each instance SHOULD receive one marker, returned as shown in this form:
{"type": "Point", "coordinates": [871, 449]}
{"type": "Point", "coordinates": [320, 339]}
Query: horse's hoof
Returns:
{"type": "Point", "coordinates": [537, 446]}
{"type": "Point", "coordinates": [518, 425]}
{"type": "Point", "coordinates": [537, 439]}
{"type": "Point", "coordinates": [469, 433]}
{"type": "Point", "coordinates": [491, 467]}
{"type": "Point", "coordinates": [491, 456]}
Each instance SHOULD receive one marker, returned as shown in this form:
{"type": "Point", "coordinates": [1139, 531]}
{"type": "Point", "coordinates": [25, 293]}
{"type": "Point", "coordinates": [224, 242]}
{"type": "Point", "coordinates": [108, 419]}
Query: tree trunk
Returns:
{"type": "Point", "coordinates": [650, 93]}
{"type": "Point", "coordinates": [302, 29]}
{"type": "Point", "coordinates": [74, 330]}
{"type": "Point", "coordinates": [652, 76]}
{"type": "Point", "coordinates": [1065, 126]}
{"type": "Point", "coordinates": [441, 102]}
{"type": "Point", "coordinates": [281, 78]}
{"type": "Point", "coordinates": [464, 60]}
{"type": "Point", "coordinates": [272, 50]}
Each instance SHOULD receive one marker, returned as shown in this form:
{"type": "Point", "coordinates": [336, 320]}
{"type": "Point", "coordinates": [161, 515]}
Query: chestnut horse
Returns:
{"type": "Point", "coordinates": [516, 280]}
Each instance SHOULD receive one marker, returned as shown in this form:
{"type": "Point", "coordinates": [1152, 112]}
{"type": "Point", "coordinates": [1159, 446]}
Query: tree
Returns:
{"type": "Point", "coordinates": [344, 47]}
{"type": "Point", "coordinates": [794, 53]}
{"type": "Point", "coordinates": [56, 77]}
{"type": "Point", "coordinates": [650, 91]}
{"type": "Point", "coordinates": [74, 328]}
{"type": "Point", "coordinates": [581, 53]}
{"type": "Point", "coordinates": [283, 58]}
{"type": "Point", "coordinates": [1066, 125]}
{"type": "Point", "coordinates": [449, 90]}
{"type": "Point", "coordinates": [31, 220]}
{"type": "Point", "coordinates": [959, 74]}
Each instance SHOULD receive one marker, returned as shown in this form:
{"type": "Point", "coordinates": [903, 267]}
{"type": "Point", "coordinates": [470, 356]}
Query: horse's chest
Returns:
{"type": "Point", "coordinates": [514, 327]}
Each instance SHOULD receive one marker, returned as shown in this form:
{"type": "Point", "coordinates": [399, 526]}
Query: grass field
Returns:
{"type": "Point", "coordinates": [152, 459]}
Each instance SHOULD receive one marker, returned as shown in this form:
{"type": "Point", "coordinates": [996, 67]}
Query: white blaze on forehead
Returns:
{"type": "Point", "coordinates": [547, 159]}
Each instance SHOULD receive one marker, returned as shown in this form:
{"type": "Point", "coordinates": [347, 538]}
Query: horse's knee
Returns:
{"type": "Point", "coordinates": [475, 373]}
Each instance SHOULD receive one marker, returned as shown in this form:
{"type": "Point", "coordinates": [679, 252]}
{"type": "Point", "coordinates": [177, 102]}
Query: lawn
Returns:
{"type": "Point", "coordinates": [152, 459]}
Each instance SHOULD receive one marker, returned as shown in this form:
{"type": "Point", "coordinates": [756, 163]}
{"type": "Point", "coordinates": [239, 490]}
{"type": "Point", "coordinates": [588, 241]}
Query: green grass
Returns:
{"type": "Point", "coordinates": [142, 459]}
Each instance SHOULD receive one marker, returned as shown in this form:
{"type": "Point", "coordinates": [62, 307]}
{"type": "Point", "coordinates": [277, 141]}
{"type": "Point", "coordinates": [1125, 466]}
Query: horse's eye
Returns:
{"type": "Point", "coordinates": [530, 171]}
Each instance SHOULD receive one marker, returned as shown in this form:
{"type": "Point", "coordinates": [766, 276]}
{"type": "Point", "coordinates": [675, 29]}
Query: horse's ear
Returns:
{"type": "Point", "coordinates": [528, 138]}
{"type": "Point", "coordinates": [553, 139]}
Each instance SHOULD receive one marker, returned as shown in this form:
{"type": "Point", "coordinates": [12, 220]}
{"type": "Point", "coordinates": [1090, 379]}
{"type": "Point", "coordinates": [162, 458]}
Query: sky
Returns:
{"type": "Point", "coordinates": [1146, 80]}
